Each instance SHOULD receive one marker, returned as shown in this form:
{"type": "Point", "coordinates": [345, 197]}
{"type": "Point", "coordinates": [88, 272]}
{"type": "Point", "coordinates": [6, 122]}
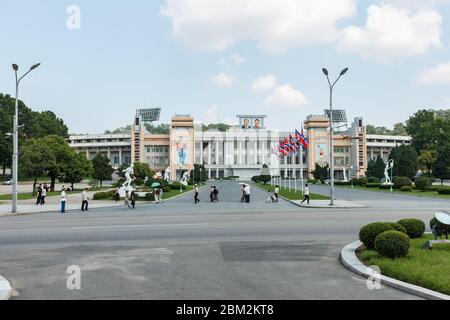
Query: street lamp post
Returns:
{"type": "Point", "coordinates": [15, 162]}
{"type": "Point", "coordinates": [325, 71]}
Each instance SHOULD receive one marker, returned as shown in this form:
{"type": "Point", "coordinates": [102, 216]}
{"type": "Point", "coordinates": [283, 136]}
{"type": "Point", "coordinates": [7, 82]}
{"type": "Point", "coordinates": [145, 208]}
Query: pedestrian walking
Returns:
{"type": "Point", "coordinates": [247, 193]}
{"type": "Point", "coordinates": [133, 199]}
{"type": "Point", "coordinates": [39, 194]}
{"type": "Point", "coordinates": [127, 204]}
{"type": "Point", "coordinates": [117, 194]}
{"type": "Point", "coordinates": [43, 195]}
{"type": "Point", "coordinates": [306, 194]}
{"type": "Point", "coordinates": [242, 192]}
{"type": "Point", "coordinates": [196, 192]}
{"type": "Point", "coordinates": [84, 200]}
{"type": "Point", "coordinates": [216, 194]}
{"type": "Point", "coordinates": [211, 193]}
{"type": "Point", "coordinates": [277, 193]}
{"type": "Point", "coordinates": [63, 201]}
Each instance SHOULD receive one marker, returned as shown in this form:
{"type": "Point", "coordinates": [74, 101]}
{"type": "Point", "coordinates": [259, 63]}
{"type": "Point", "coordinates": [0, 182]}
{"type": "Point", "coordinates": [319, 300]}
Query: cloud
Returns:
{"type": "Point", "coordinates": [237, 59]}
{"type": "Point", "coordinates": [210, 115]}
{"type": "Point", "coordinates": [437, 75]}
{"type": "Point", "coordinates": [223, 80]}
{"type": "Point", "coordinates": [288, 97]}
{"type": "Point", "coordinates": [264, 83]}
{"type": "Point", "coordinates": [392, 33]}
{"type": "Point", "coordinates": [274, 25]}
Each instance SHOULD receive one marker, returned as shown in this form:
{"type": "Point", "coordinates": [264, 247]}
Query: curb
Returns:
{"type": "Point", "coordinates": [349, 259]}
{"type": "Point", "coordinates": [358, 206]}
{"type": "Point", "coordinates": [5, 289]}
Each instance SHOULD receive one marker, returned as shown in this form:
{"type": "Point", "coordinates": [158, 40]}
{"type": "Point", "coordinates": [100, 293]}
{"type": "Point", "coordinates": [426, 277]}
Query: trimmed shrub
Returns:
{"type": "Point", "coordinates": [384, 186]}
{"type": "Point", "coordinates": [373, 185]}
{"type": "Point", "coordinates": [406, 189]}
{"type": "Point", "coordinates": [372, 180]}
{"type": "Point", "coordinates": [422, 183]}
{"type": "Point", "coordinates": [440, 228]}
{"type": "Point", "coordinates": [414, 227]}
{"type": "Point", "coordinates": [166, 189]}
{"type": "Point", "coordinates": [256, 179]}
{"type": "Point", "coordinates": [402, 182]}
{"type": "Point", "coordinates": [177, 186]}
{"type": "Point", "coordinates": [444, 191]}
{"type": "Point", "coordinates": [369, 232]}
{"type": "Point", "coordinates": [149, 197]}
{"type": "Point", "coordinates": [342, 183]}
{"type": "Point", "coordinates": [437, 188]}
{"type": "Point", "coordinates": [360, 181]}
{"type": "Point", "coordinates": [397, 227]}
{"type": "Point", "coordinates": [392, 244]}
{"type": "Point", "coordinates": [105, 195]}
{"type": "Point", "coordinates": [138, 181]}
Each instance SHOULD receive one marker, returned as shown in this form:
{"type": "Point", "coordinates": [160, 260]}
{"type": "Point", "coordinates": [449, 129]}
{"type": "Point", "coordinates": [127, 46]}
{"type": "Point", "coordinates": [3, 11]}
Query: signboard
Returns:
{"type": "Point", "coordinates": [251, 121]}
{"type": "Point", "coordinates": [181, 153]}
{"type": "Point", "coordinates": [149, 115]}
{"type": "Point", "coordinates": [321, 154]}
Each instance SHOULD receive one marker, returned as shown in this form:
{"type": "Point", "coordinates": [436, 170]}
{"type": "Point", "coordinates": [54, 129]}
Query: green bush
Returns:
{"type": "Point", "coordinates": [437, 188]}
{"type": "Point", "coordinates": [177, 186]}
{"type": "Point", "coordinates": [440, 228]}
{"type": "Point", "coordinates": [360, 181]}
{"type": "Point", "coordinates": [444, 191]}
{"type": "Point", "coordinates": [392, 244]}
{"type": "Point", "coordinates": [402, 182]}
{"type": "Point", "coordinates": [166, 189]}
{"type": "Point", "coordinates": [406, 189]}
{"type": "Point", "coordinates": [373, 185]}
{"type": "Point", "coordinates": [414, 227]}
{"type": "Point", "coordinates": [149, 197]}
{"type": "Point", "coordinates": [105, 195]}
{"type": "Point", "coordinates": [256, 179]}
{"type": "Point", "coordinates": [397, 227]}
{"type": "Point", "coordinates": [384, 186]}
{"type": "Point", "coordinates": [138, 181]}
{"type": "Point", "coordinates": [372, 180]}
{"type": "Point", "coordinates": [422, 183]}
{"type": "Point", "coordinates": [162, 182]}
{"type": "Point", "coordinates": [342, 183]}
{"type": "Point", "coordinates": [369, 232]}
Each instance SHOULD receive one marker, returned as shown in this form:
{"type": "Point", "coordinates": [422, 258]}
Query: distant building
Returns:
{"type": "Point", "coordinates": [242, 149]}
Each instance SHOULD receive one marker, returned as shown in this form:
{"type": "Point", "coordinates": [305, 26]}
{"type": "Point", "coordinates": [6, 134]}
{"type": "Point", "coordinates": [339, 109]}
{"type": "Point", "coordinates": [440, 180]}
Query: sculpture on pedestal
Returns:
{"type": "Point", "coordinates": [389, 166]}
{"type": "Point", "coordinates": [186, 176]}
{"type": "Point", "coordinates": [128, 172]}
{"type": "Point", "coordinates": [167, 174]}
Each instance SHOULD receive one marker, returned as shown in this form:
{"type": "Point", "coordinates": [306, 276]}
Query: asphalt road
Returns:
{"type": "Point", "coordinates": [178, 250]}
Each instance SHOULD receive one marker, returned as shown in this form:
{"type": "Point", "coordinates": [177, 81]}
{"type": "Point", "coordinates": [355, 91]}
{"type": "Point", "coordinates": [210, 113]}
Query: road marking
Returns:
{"type": "Point", "coordinates": [144, 226]}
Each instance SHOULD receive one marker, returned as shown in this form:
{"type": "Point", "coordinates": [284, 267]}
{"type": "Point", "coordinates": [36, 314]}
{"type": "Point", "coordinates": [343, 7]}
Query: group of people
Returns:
{"type": "Point", "coordinates": [245, 193]}
{"type": "Point", "coordinates": [84, 200]}
{"type": "Point", "coordinates": [213, 194]}
{"type": "Point", "coordinates": [41, 191]}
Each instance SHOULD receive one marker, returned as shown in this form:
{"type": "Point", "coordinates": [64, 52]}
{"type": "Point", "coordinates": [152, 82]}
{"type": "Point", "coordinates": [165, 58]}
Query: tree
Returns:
{"type": "Point", "coordinates": [399, 130]}
{"type": "Point", "coordinates": [142, 170]}
{"type": "Point", "coordinates": [426, 129]}
{"type": "Point", "coordinates": [379, 168]}
{"type": "Point", "coordinates": [102, 169]}
{"type": "Point", "coordinates": [321, 172]}
{"type": "Point", "coordinates": [405, 161]}
{"type": "Point", "coordinates": [426, 160]}
{"type": "Point", "coordinates": [441, 168]}
{"type": "Point", "coordinates": [218, 126]}
{"type": "Point", "coordinates": [199, 174]}
{"type": "Point", "coordinates": [76, 169]}
{"type": "Point", "coordinates": [265, 175]}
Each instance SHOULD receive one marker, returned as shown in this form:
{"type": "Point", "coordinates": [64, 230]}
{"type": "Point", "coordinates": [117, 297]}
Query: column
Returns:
{"type": "Point", "coordinates": [120, 156]}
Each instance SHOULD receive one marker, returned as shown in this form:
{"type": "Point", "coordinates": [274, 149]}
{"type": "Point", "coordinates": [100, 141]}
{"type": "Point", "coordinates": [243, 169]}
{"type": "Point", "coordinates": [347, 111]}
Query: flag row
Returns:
{"type": "Point", "coordinates": [292, 144]}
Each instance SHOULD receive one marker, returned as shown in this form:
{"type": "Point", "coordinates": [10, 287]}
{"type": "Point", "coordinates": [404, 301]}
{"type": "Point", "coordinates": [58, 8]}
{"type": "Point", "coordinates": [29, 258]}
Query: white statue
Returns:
{"type": "Point", "coordinates": [389, 165]}
{"type": "Point", "coordinates": [128, 172]}
{"type": "Point", "coordinates": [345, 174]}
{"type": "Point", "coordinates": [185, 178]}
{"type": "Point", "coordinates": [167, 174]}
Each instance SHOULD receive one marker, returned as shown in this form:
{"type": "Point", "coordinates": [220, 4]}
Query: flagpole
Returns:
{"type": "Point", "coordinates": [301, 165]}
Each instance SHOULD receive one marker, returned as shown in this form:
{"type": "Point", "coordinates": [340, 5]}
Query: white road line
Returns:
{"type": "Point", "coordinates": [144, 226]}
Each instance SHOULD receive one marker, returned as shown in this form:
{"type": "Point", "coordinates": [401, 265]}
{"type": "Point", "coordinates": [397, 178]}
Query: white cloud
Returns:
{"type": "Point", "coordinates": [237, 59]}
{"type": "Point", "coordinates": [437, 75]}
{"type": "Point", "coordinates": [392, 33]}
{"type": "Point", "coordinates": [273, 25]}
{"type": "Point", "coordinates": [288, 97]}
{"type": "Point", "coordinates": [210, 115]}
{"type": "Point", "coordinates": [264, 83]}
{"type": "Point", "coordinates": [223, 80]}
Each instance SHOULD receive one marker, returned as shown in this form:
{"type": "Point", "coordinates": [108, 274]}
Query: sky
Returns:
{"type": "Point", "coordinates": [213, 59]}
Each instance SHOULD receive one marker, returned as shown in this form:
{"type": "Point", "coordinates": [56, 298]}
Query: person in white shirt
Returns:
{"type": "Point", "coordinates": [196, 192]}
{"type": "Point", "coordinates": [277, 193]}
{"type": "Point", "coordinates": [63, 200]}
{"type": "Point", "coordinates": [247, 193]}
{"type": "Point", "coordinates": [84, 200]}
{"type": "Point", "coordinates": [306, 194]}
{"type": "Point", "coordinates": [43, 195]}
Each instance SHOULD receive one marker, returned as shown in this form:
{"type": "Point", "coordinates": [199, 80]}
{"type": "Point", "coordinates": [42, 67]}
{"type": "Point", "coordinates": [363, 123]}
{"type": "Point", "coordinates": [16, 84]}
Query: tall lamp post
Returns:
{"type": "Point", "coordinates": [16, 135]}
{"type": "Point", "coordinates": [325, 71]}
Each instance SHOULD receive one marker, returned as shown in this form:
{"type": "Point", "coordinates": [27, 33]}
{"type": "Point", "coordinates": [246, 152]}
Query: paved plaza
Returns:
{"type": "Point", "coordinates": [178, 250]}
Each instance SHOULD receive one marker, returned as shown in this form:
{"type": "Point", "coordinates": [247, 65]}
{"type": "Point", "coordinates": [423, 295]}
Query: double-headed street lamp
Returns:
{"type": "Point", "coordinates": [325, 71]}
{"type": "Point", "coordinates": [16, 136]}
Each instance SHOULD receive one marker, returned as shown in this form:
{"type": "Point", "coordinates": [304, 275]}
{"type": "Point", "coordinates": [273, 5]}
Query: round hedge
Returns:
{"type": "Point", "coordinates": [392, 244]}
{"type": "Point", "coordinates": [406, 189]}
{"type": "Point", "coordinates": [369, 232]}
{"type": "Point", "coordinates": [414, 227]}
{"type": "Point", "coordinates": [397, 227]}
{"type": "Point", "coordinates": [444, 191]}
